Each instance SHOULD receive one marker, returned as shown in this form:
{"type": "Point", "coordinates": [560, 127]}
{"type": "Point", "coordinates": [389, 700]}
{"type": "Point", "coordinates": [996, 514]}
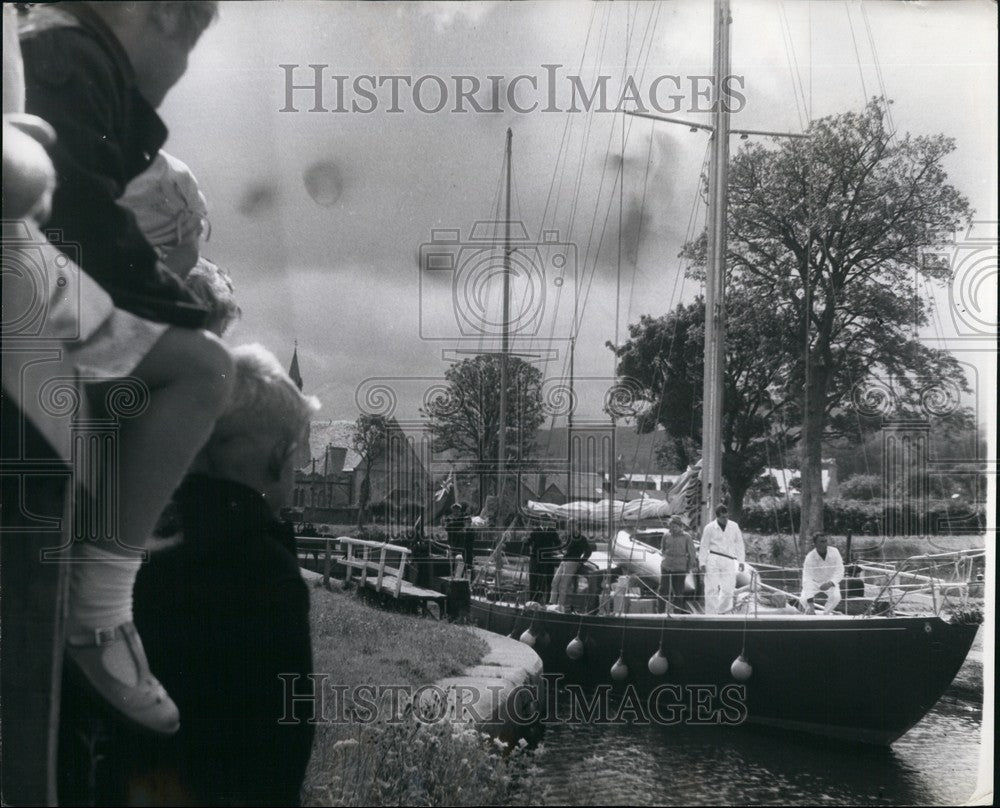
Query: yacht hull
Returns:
{"type": "Point", "coordinates": [859, 679]}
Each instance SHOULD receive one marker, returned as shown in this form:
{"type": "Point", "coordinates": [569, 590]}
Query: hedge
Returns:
{"type": "Point", "coordinates": [939, 518]}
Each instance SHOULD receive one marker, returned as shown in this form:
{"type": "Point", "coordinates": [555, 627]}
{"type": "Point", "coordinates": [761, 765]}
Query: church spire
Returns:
{"type": "Point", "coordinates": [293, 369]}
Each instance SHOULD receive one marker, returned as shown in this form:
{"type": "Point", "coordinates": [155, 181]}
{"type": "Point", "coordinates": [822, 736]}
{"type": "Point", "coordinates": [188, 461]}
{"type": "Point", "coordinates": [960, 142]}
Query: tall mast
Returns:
{"type": "Point", "coordinates": [715, 275]}
{"type": "Point", "coordinates": [715, 292]}
{"type": "Point", "coordinates": [505, 335]}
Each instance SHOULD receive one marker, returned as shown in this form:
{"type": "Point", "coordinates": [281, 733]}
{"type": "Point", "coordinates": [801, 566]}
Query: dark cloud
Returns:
{"type": "Point", "coordinates": [258, 199]}
{"type": "Point", "coordinates": [324, 182]}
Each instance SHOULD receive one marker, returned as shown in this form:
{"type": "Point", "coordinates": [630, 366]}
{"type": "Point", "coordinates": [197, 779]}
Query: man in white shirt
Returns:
{"type": "Point", "coordinates": [720, 554]}
{"type": "Point", "coordinates": [822, 571]}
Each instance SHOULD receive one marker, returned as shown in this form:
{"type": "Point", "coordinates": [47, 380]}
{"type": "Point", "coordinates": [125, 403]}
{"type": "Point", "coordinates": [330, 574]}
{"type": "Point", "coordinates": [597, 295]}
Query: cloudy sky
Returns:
{"type": "Point", "coordinates": [320, 216]}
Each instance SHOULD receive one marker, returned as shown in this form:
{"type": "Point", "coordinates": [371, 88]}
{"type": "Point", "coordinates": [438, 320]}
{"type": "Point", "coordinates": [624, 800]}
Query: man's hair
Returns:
{"type": "Point", "coordinates": [192, 17]}
{"type": "Point", "coordinates": [195, 15]}
{"type": "Point", "coordinates": [721, 509]}
{"type": "Point", "coordinates": [264, 401]}
{"type": "Point", "coordinates": [819, 535]}
{"type": "Point", "coordinates": [214, 289]}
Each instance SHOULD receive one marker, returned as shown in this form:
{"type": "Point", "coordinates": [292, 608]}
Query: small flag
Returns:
{"type": "Point", "coordinates": [293, 369]}
{"type": "Point", "coordinates": [446, 486]}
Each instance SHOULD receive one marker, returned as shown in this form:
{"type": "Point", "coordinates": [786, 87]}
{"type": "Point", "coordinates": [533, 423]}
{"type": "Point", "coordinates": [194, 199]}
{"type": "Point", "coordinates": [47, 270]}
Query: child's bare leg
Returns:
{"type": "Point", "coordinates": [188, 374]}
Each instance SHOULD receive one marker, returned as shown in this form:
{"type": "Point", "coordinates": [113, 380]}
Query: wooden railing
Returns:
{"type": "Point", "coordinates": [371, 558]}
{"type": "Point", "coordinates": [379, 566]}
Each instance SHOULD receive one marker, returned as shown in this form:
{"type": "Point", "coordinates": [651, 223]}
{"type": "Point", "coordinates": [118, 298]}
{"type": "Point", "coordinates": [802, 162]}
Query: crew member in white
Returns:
{"type": "Point", "coordinates": [822, 571]}
{"type": "Point", "coordinates": [720, 554]}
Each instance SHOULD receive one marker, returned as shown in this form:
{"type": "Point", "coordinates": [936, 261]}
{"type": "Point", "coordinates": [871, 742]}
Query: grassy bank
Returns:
{"type": "Point", "coordinates": [404, 762]}
{"type": "Point", "coordinates": [357, 644]}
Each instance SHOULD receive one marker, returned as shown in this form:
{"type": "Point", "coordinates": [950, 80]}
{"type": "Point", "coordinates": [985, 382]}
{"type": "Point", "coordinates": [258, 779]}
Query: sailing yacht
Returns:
{"type": "Point", "coordinates": [865, 676]}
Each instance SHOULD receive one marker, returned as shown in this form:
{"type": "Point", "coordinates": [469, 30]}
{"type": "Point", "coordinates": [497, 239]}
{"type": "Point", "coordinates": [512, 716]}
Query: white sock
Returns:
{"type": "Point", "coordinates": [100, 588]}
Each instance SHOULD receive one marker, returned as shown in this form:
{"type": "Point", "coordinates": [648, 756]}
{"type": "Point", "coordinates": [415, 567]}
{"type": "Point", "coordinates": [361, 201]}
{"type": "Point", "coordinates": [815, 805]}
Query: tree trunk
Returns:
{"type": "Point", "coordinates": [812, 458]}
{"type": "Point", "coordinates": [737, 493]}
{"type": "Point", "coordinates": [363, 496]}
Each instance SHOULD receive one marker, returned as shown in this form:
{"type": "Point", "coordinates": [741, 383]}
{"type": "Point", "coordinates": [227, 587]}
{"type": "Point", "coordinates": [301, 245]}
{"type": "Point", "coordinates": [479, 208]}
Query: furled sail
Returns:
{"type": "Point", "coordinates": [679, 501]}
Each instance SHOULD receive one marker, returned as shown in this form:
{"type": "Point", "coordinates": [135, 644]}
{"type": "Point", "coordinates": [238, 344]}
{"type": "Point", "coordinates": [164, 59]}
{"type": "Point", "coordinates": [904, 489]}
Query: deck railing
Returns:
{"type": "Point", "coordinates": [935, 583]}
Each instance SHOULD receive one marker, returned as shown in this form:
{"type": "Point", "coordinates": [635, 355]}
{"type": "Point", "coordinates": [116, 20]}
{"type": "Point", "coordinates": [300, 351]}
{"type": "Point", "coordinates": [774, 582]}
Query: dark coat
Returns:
{"type": "Point", "coordinates": [79, 79]}
{"type": "Point", "coordinates": [221, 615]}
{"type": "Point", "coordinates": [543, 544]}
{"type": "Point", "coordinates": [456, 527]}
{"type": "Point", "coordinates": [578, 548]}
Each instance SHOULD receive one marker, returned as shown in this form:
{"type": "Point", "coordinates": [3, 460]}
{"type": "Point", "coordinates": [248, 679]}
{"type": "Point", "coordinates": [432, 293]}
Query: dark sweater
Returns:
{"type": "Point", "coordinates": [543, 544]}
{"type": "Point", "coordinates": [79, 79]}
{"type": "Point", "coordinates": [578, 548]}
{"type": "Point", "coordinates": [221, 615]}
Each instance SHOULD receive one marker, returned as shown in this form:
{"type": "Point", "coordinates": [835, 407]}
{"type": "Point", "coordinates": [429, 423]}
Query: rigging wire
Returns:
{"type": "Point", "coordinates": [559, 169]}
{"type": "Point", "coordinates": [593, 223]}
{"type": "Point", "coordinates": [573, 206]}
{"type": "Point", "coordinates": [645, 45]}
{"type": "Point", "coordinates": [857, 53]}
{"type": "Point", "coordinates": [808, 60]}
{"type": "Point", "coordinates": [680, 276]}
{"type": "Point", "coordinates": [793, 65]}
{"type": "Point", "coordinates": [638, 238]}
{"type": "Point", "coordinates": [565, 136]}
{"type": "Point", "coordinates": [878, 73]}
{"type": "Point", "coordinates": [621, 202]}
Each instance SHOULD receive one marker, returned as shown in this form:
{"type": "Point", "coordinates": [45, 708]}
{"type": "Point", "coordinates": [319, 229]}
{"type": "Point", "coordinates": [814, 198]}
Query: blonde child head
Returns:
{"type": "Point", "coordinates": [255, 439]}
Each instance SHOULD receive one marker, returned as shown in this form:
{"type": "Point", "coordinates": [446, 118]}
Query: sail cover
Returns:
{"type": "Point", "coordinates": [603, 511]}
{"type": "Point", "coordinates": [631, 511]}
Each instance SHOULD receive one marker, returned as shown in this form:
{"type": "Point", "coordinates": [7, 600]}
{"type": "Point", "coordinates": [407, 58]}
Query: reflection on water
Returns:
{"type": "Point", "coordinates": [933, 764]}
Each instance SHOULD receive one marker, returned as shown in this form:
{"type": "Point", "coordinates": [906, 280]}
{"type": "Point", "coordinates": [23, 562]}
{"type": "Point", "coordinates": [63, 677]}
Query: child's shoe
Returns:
{"type": "Point", "coordinates": [135, 693]}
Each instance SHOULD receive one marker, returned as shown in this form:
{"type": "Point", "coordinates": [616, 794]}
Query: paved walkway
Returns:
{"type": "Point", "coordinates": [499, 694]}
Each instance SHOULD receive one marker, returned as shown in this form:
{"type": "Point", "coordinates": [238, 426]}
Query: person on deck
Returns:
{"type": "Point", "coordinates": [468, 539]}
{"type": "Point", "coordinates": [543, 542]}
{"type": "Point", "coordinates": [225, 612]}
{"type": "Point", "coordinates": [822, 571]}
{"type": "Point", "coordinates": [721, 554]}
{"type": "Point", "coordinates": [578, 549]}
{"type": "Point", "coordinates": [456, 526]}
{"type": "Point", "coordinates": [679, 558]}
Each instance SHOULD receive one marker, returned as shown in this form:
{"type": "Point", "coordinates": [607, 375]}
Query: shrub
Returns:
{"type": "Point", "coordinates": [766, 485]}
{"type": "Point", "coordinates": [778, 552]}
{"type": "Point", "coordinates": [862, 486]}
{"type": "Point", "coordinates": [370, 533]}
{"type": "Point", "coordinates": [938, 518]}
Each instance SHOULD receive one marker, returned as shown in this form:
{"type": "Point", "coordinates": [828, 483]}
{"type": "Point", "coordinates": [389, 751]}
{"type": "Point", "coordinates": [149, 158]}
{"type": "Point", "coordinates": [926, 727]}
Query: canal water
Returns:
{"type": "Point", "coordinates": [935, 763]}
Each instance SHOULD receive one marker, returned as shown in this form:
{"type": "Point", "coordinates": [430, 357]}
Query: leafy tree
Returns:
{"type": "Point", "coordinates": [465, 416]}
{"type": "Point", "coordinates": [666, 356]}
{"type": "Point", "coordinates": [835, 230]}
{"type": "Point", "coordinates": [369, 441]}
{"type": "Point", "coordinates": [954, 439]}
